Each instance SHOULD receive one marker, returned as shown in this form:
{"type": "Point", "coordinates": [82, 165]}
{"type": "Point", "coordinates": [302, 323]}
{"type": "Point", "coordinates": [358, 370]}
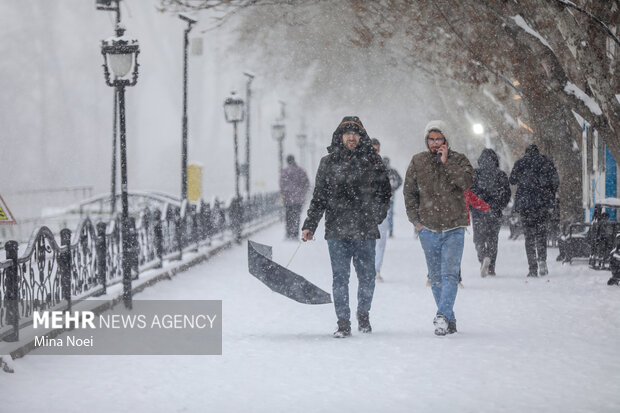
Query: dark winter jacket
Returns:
{"type": "Point", "coordinates": [352, 189]}
{"type": "Point", "coordinates": [491, 183]}
{"type": "Point", "coordinates": [434, 191]}
{"type": "Point", "coordinates": [395, 179]}
{"type": "Point", "coordinates": [294, 185]}
{"type": "Point", "coordinates": [537, 181]}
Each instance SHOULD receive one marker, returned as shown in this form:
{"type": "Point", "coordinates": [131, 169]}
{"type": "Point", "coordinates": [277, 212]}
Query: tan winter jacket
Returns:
{"type": "Point", "coordinates": [434, 191]}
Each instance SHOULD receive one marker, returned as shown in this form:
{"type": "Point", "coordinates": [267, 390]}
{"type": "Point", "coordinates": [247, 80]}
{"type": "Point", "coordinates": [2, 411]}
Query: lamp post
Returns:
{"type": "Point", "coordinates": [278, 132]}
{"type": "Point", "coordinates": [107, 5]}
{"type": "Point", "coordinates": [233, 111]}
{"type": "Point", "coordinates": [120, 55]}
{"type": "Point", "coordinates": [302, 140]}
{"type": "Point", "coordinates": [190, 23]}
{"type": "Point", "coordinates": [246, 168]}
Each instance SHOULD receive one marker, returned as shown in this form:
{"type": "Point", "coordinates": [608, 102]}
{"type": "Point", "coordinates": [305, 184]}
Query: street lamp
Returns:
{"type": "Point", "coordinates": [233, 111]}
{"type": "Point", "coordinates": [302, 140]}
{"type": "Point", "coordinates": [120, 56]}
{"type": "Point", "coordinates": [278, 132]}
{"type": "Point", "coordinates": [108, 6]}
{"type": "Point", "coordinates": [190, 23]}
{"type": "Point", "coordinates": [246, 168]}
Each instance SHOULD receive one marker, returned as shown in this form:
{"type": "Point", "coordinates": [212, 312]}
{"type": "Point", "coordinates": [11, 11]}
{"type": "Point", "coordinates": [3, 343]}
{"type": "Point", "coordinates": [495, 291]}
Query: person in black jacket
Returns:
{"type": "Point", "coordinates": [492, 186]}
{"type": "Point", "coordinates": [537, 182]}
{"type": "Point", "coordinates": [353, 190]}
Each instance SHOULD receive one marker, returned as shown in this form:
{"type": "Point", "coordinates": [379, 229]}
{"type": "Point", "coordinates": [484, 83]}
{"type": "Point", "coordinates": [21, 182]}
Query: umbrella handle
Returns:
{"type": "Point", "coordinates": [293, 256]}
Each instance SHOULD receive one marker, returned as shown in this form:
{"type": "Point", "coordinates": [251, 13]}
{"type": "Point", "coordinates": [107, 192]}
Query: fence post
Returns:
{"type": "Point", "coordinates": [134, 247]}
{"type": "Point", "coordinates": [159, 236]}
{"type": "Point", "coordinates": [64, 265]}
{"type": "Point", "coordinates": [102, 265]}
{"type": "Point", "coordinates": [12, 290]}
{"type": "Point", "coordinates": [178, 233]}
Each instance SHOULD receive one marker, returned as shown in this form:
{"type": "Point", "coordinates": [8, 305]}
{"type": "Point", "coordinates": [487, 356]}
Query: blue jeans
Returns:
{"type": "Point", "coordinates": [443, 253]}
{"type": "Point", "coordinates": [362, 252]}
{"type": "Point", "coordinates": [390, 216]}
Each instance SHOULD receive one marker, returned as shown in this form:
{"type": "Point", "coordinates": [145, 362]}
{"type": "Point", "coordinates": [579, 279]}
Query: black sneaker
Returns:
{"type": "Point", "coordinates": [344, 329]}
{"type": "Point", "coordinates": [532, 274]}
{"type": "Point", "coordinates": [451, 327]}
{"type": "Point", "coordinates": [363, 323]}
{"type": "Point", "coordinates": [492, 272]}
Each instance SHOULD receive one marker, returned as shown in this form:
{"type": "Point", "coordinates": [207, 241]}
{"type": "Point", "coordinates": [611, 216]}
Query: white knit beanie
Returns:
{"type": "Point", "coordinates": [437, 125]}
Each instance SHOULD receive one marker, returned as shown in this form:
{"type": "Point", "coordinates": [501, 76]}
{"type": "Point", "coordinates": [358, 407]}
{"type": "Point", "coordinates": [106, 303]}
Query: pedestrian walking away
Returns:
{"type": "Point", "coordinates": [537, 182]}
{"type": "Point", "coordinates": [294, 185]}
{"type": "Point", "coordinates": [385, 224]}
{"type": "Point", "coordinates": [492, 186]}
{"type": "Point", "coordinates": [352, 189]}
{"type": "Point", "coordinates": [434, 188]}
{"type": "Point", "coordinates": [395, 182]}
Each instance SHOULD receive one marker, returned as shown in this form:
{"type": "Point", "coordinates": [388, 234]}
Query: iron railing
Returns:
{"type": "Point", "coordinates": [49, 275]}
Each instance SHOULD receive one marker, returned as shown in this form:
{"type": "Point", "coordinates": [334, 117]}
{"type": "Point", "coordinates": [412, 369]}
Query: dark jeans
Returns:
{"type": "Point", "coordinates": [362, 252]}
{"type": "Point", "coordinates": [292, 215]}
{"type": "Point", "coordinates": [535, 231]}
{"type": "Point", "coordinates": [486, 232]}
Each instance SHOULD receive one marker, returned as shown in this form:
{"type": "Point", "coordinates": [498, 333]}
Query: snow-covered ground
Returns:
{"type": "Point", "coordinates": [544, 345]}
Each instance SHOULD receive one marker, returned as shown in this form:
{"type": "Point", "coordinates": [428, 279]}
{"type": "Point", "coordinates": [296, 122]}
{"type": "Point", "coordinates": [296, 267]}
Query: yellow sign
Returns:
{"type": "Point", "coordinates": [194, 182]}
{"type": "Point", "coordinates": [5, 214]}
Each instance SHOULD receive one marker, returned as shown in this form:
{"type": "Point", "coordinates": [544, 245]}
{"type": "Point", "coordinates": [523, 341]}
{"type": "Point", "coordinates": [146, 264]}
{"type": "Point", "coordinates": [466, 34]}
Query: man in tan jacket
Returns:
{"type": "Point", "coordinates": [434, 199]}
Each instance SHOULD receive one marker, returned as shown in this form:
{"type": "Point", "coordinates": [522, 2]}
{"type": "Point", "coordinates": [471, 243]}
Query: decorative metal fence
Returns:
{"type": "Point", "coordinates": [50, 276]}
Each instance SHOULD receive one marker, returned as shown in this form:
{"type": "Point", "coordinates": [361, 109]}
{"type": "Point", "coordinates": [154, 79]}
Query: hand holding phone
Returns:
{"type": "Point", "coordinates": [443, 151]}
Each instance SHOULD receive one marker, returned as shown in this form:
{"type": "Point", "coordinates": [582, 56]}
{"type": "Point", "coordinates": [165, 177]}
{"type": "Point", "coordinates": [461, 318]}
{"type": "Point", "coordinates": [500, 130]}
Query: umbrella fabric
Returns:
{"type": "Point", "coordinates": [282, 280]}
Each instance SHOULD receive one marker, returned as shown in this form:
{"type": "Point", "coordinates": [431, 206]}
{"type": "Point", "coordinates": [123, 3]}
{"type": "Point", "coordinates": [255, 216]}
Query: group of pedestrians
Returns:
{"type": "Point", "coordinates": [354, 190]}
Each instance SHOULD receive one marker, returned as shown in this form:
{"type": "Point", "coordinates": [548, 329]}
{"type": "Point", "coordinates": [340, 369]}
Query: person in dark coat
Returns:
{"type": "Point", "coordinates": [353, 190]}
{"type": "Point", "coordinates": [294, 185]}
{"type": "Point", "coordinates": [537, 182]}
{"type": "Point", "coordinates": [395, 181]}
{"type": "Point", "coordinates": [492, 186]}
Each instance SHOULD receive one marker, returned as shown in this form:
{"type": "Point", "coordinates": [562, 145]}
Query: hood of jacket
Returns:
{"type": "Point", "coordinates": [532, 150]}
{"type": "Point", "coordinates": [488, 159]}
{"type": "Point", "coordinates": [350, 123]}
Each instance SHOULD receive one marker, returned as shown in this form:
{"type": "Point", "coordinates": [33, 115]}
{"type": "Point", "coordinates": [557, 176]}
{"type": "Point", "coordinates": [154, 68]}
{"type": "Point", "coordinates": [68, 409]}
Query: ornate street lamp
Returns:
{"type": "Point", "coordinates": [107, 5]}
{"type": "Point", "coordinates": [278, 132]}
{"type": "Point", "coordinates": [248, 96]}
{"type": "Point", "coordinates": [233, 111]}
{"type": "Point", "coordinates": [120, 55]}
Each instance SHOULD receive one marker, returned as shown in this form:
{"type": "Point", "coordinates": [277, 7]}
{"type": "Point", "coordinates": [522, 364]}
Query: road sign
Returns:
{"type": "Point", "coordinates": [5, 214]}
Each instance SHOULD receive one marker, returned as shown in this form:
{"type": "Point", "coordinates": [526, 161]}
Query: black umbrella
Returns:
{"type": "Point", "coordinates": [282, 280]}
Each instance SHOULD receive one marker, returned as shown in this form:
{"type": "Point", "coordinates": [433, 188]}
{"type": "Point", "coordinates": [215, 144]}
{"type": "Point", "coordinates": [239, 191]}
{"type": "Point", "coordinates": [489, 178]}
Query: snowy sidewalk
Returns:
{"type": "Point", "coordinates": [549, 344]}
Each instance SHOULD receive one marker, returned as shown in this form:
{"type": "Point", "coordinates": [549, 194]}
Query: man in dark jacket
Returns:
{"type": "Point", "coordinates": [491, 185]}
{"type": "Point", "coordinates": [294, 185]}
{"type": "Point", "coordinates": [434, 188]}
{"type": "Point", "coordinates": [353, 190]}
{"type": "Point", "coordinates": [537, 181]}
